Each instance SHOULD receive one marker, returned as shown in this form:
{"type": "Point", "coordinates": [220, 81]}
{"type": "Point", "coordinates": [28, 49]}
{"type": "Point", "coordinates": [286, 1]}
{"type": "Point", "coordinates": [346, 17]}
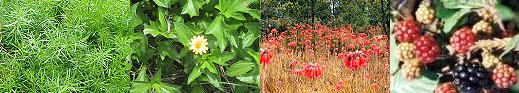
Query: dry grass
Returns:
{"type": "Point", "coordinates": [334, 70]}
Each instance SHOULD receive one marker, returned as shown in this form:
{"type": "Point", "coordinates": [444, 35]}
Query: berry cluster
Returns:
{"type": "Point", "coordinates": [504, 76]}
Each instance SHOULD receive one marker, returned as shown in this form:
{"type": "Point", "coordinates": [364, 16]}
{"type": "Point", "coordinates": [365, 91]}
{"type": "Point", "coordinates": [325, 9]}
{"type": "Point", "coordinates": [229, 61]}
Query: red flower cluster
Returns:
{"type": "Point", "coordinates": [313, 70]}
{"type": "Point", "coordinates": [355, 60]}
{"type": "Point", "coordinates": [265, 57]}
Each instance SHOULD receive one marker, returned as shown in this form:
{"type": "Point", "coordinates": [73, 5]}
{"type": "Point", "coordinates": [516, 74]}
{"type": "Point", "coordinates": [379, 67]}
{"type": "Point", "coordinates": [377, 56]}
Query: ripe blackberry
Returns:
{"type": "Point", "coordinates": [462, 40]}
{"type": "Point", "coordinates": [504, 76]}
{"type": "Point", "coordinates": [411, 68]}
{"type": "Point", "coordinates": [406, 30]}
{"type": "Point", "coordinates": [426, 49]}
{"type": "Point", "coordinates": [445, 88]}
{"type": "Point", "coordinates": [489, 60]}
{"type": "Point", "coordinates": [471, 77]}
{"type": "Point", "coordinates": [424, 13]}
{"type": "Point", "coordinates": [405, 51]}
{"type": "Point", "coordinates": [482, 26]}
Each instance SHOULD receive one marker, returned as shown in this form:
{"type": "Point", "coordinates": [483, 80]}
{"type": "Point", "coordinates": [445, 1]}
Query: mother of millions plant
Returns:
{"type": "Point", "coordinates": [195, 46]}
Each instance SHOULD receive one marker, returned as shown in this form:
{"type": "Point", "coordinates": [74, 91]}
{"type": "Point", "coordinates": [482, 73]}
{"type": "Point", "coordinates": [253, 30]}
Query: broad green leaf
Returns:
{"type": "Point", "coordinates": [162, 20]}
{"type": "Point", "coordinates": [399, 84]}
{"type": "Point", "coordinates": [249, 39]}
{"type": "Point", "coordinates": [158, 76]}
{"type": "Point", "coordinates": [453, 20]}
{"type": "Point", "coordinates": [134, 20]}
{"type": "Point", "coordinates": [510, 45]}
{"type": "Point", "coordinates": [140, 87]}
{"type": "Point", "coordinates": [255, 13]}
{"type": "Point", "coordinates": [154, 31]}
{"type": "Point", "coordinates": [394, 61]}
{"type": "Point", "coordinates": [239, 68]}
{"type": "Point", "coordinates": [197, 89]}
{"type": "Point", "coordinates": [252, 77]}
{"type": "Point", "coordinates": [191, 7]}
{"type": "Point", "coordinates": [194, 74]}
{"type": "Point", "coordinates": [214, 79]}
{"type": "Point", "coordinates": [466, 4]}
{"type": "Point", "coordinates": [165, 3]}
{"type": "Point", "coordinates": [254, 54]}
{"type": "Point", "coordinates": [183, 52]}
{"type": "Point", "coordinates": [142, 74]}
{"type": "Point", "coordinates": [505, 12]}
{"type": "Point", "coordinates": [218, 28]}
{"type": "Point", "coordinates": [165, 49]}
{"type": "Point", "coordinates": [231, 38]}
{"type": "Point", "coordinates": [231, 8]}
{"type": "Point", "coordinates": [252, 34]}
{"type": "Point", "coordinates": [162, 87]}
{"type": "Point", "coordinates": [184, 33]}
{"type": "Point", "coordinates": [221, 58]}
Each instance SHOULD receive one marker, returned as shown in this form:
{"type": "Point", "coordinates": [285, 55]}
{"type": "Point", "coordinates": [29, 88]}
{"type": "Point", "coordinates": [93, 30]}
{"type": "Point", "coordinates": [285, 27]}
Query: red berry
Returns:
{"type": "Point", "coordinates": [426, 49]}
{"type": "Point", "coordinates": [406, 30]}
{"type": "Point", "coordinates": [463, 39]}
{"type": "Point", "coordinates": [445, 88]}
{"type": "Point", "coordinates": [504, 76]}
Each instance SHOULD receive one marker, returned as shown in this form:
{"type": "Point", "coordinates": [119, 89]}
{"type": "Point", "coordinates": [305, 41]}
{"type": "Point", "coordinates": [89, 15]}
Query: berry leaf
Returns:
{"type": "Point", "coordinates": [451, 21]}
{"type": "Point", "coordinates": [510, 46]}
{"type": "Point", "coordinates": [394, 61]}
{"type": "Point", "coordinates": [466, 4]}
{"type": "Point", "coordinates": [399, 84]}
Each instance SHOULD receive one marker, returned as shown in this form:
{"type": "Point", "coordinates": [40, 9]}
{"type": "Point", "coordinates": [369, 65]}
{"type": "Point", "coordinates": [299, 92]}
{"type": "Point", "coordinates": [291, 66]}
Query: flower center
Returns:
{"type": "Point", "coordinates": [198, 44]}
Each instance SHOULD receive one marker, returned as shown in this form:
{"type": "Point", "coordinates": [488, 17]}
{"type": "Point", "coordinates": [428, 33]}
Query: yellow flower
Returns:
{"type": "Point", "coordinates": [198, 45]}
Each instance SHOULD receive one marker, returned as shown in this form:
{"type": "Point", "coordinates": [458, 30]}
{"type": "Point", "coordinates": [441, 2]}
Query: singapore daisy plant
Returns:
{"type": "Point", "coordinates": [195, 46]}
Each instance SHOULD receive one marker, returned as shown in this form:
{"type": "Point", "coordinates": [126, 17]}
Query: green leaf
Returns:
{"type": "Point", "coordinates": [510, 45]}
{"type": "Point", "coordinates": [191, 7]}
{"type": "Point", "coordinates": [231, 8]}
{"type": "Point", "coordinates": [399, 84]}
{"type": "Point", "coordinates": [453, 20]}
{"type": "Point", "coordinates": [197, 89]}
{"type": "Point", "coordinates": [165, 3]}
{"type": "Point", "coordinates": [218, 28]}
{"type": "Point", "coordinates": [444, 13]}
{"type": "Point", "coordinates": [142, 74]}
{"type": "Point", "coordinates": [465, 4]}
{"type": "Point", "coordinates": [252, 34]}
{"type": "Point", "coordinates": [254, 54]}
{"type": "Point", "coordinates": [214, 79]}
{"type": "Point", "coordinates": [140, 87]}
{"type": "Point", "coordinates": [221, 58]}
{"type": "Point", "coordinates": [161, 87]}
{"type": "Point", "coordinates": [394, 61]}
{"type": "Point", "coordinates": [239, 68]}
{"type": "Point", "coordinates": [231, 38]}
{"type": "Point", "coordinates": [252, 77]}
{"type": "Point", "coordinates": [184, 33]}
{"type": "Point", "coordinates": [134, 20]}
{"type": "Point", "coordinates": [158, 76]}
{"type": "Point", "coordinates": [255, 13]}
{"type": "Point", "coordinates": [165, 49]}
{"type": "Point", "coordinates": [194, 74]}
{"type": "Point", "coordinates": [154, 31]}
{"type": "Point", "coordinates": [505, 12]}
